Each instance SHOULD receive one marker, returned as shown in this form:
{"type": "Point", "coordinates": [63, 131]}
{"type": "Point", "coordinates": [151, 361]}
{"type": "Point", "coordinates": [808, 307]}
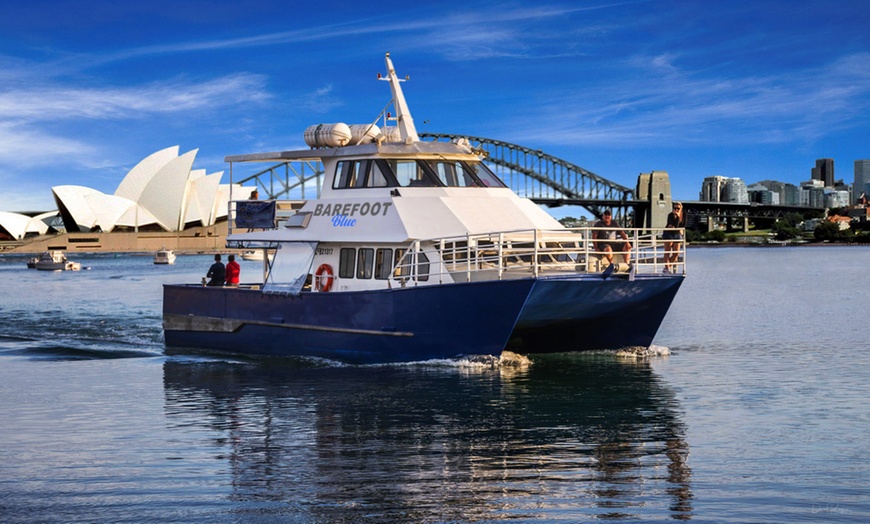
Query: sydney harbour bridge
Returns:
{"type": "Point", "coordinates": [542, 178]}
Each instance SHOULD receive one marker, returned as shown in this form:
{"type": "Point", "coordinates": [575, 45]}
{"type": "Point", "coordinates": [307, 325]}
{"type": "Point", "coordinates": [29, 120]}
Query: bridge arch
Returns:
{"type": "Point", "coordinates": [531, 173]}
{"type": "Point", "coordinates": [546, 179]}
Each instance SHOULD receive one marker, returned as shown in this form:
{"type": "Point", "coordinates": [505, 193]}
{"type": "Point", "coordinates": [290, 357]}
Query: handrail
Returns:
{"type": "Point", "coordinates": [538, 253]}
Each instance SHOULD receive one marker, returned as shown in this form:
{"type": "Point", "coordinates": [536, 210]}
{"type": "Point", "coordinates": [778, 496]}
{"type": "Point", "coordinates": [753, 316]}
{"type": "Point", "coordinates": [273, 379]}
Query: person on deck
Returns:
{"type": "Point", "coordinates": [233, 271]}
{"type": "Point", "coordinates": [216, 273]}
{"type": "Point", "coordinates": [607, 238]}
{"type": "Point", "coordinates": [676, 224]}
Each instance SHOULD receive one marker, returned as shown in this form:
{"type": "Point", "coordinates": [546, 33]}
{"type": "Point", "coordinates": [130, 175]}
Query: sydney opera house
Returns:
{"type": "Point", "coordinates": [162, 193]}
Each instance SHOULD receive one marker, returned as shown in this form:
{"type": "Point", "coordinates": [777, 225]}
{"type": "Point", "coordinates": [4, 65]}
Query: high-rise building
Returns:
{"type": "Point", "coordinates": [862, 180]}
{"type": "Point", "coordinates": [813, 193]}
{"type": "Point", "coordinates": [824, 171]}
{"type": "Point", "coordinates": [724, 189]}
{"type": "Point", "coordinates": [789, 194]}
{"type": "Point", "coordinates": [713, 188]}
{"type": "Point", "coordinates": [760, 194]}
{"type": "Point", "coordinates": [835, 198]}
{"type": "Point", "coordinates": [735, 191]}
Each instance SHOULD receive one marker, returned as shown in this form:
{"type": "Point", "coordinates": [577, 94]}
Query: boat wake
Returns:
{"type": "Point", "coordinates": [55, 352]}
{"type": "Point", "coordinates": [639, 352]}
{"type": "Point", "coordinates": [507, 360]}
{"type": "Point", "coordinates": [94, 337]}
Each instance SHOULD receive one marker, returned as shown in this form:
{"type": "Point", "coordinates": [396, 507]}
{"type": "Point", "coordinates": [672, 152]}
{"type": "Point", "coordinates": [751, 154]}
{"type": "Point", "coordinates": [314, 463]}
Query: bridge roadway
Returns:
{"type": "Point", "coordinates": [696, 211]}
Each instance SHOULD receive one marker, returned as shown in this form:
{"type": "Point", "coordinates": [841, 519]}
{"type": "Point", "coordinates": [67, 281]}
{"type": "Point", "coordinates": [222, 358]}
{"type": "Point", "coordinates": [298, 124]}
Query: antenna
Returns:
{"type": "Point", "coordinates": [404, 121]}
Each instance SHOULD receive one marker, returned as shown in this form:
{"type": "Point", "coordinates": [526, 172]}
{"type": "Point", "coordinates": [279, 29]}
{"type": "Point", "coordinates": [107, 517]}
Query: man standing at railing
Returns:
{"type": "Point", "coordinates": [607, 231]}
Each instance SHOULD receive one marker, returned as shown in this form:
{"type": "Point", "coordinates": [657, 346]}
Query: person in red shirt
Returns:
{"type": "Point", "coordinates": [233, 270]}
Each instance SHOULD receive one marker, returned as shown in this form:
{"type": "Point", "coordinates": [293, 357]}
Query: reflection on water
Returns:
{"type": "Point", "coordinates": [568, 438]}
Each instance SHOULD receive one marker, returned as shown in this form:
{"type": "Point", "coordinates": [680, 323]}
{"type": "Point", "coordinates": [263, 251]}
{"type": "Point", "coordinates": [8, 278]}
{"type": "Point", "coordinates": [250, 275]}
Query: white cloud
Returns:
{"type": "Point", "coordinates": [51, 103]}
{"type": "Point", "coordinates": [21, 147]}
{"type": "Point", "coordinates": [683, 107]}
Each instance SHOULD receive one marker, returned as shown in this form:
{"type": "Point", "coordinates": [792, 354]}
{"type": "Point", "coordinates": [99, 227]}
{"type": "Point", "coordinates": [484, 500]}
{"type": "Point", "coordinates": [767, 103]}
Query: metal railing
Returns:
{"type": "Point", "coordinates": [539, 253]}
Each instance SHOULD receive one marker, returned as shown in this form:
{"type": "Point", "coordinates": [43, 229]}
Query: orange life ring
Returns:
{"type": "Point", "coordinates": [323, 278]}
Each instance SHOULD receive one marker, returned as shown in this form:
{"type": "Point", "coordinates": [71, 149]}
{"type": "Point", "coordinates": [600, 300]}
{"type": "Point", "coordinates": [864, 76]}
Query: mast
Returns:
{"type": "Point", "coordinates": [403, 115]}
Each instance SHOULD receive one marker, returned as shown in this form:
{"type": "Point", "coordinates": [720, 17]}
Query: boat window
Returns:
{"type": "Point", "coordinates": [486, 177]}
{"type": "Point", "coordinates": [404, 270]}
{"type": "Point", "coordinates": [410, 173]}
{"type": "Point", "coordinates": [454, 174]}
{"type": "Point", "coordinates": [343, 172]}
{"type": "Point", "coordinates": [347, 257]}
{"type": "Point", "coordinates": [362, 173]}
{"type": "Point", "coordinates": [358, 173]}
{"type": "Point", "coordinates": [422, 267]}
{"type": "Point", "coordinates": [383, 263]}
{"type": "Point", "coordinates": [378, 175]}
{"type": "Point", "coordinates": [365, 261]}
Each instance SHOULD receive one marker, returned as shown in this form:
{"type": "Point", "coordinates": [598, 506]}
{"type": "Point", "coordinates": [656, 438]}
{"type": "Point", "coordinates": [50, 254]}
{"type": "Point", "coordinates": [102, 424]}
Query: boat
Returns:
{"type": "Point", "coordinates": [415, 250]}
{"type": "Point", "coordinates": [55, 260]}
{"type": "Point", "coordinates": [255, 255]}
{"type": "Point", "coordinates": [164, 256]}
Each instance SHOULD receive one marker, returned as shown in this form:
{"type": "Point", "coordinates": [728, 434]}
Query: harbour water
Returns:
{"type": "Point", "coordinates": [759, 413]}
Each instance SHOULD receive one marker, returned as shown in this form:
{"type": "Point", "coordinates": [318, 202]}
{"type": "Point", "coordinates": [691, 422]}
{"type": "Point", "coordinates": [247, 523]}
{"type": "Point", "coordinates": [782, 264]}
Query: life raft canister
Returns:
{"type": "Point", "coordinates": [323, 278]}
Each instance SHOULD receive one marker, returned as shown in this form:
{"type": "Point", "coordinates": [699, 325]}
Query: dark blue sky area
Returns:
{"type": "Point", "coordinates": [757, 90]}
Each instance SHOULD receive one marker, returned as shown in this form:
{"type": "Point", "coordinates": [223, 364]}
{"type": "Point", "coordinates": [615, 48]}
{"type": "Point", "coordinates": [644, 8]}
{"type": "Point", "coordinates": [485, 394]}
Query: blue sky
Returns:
{"type": "Point", "coordinates": [756, 90]}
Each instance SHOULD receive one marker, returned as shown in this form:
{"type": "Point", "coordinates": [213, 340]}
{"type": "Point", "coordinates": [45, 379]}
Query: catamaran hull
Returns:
{"type": "Point", "coordinates": [421, 323]}
{"type": "Point", "coordinates": [582, 314]}
{"type": "Point", "coordinates": [400, 325]}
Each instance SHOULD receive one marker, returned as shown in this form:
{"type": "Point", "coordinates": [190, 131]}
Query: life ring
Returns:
{"type": "Point", "coordinates": [323, 278]}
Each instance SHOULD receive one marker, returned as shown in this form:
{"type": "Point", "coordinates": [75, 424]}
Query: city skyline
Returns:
{"type": "Point", "coordinates": [757, 91]}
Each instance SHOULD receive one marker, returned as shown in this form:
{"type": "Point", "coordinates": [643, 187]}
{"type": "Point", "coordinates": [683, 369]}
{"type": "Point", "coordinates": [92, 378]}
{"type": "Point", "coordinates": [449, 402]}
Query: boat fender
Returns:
{"type": "Point", "coordinates": [323, 278]}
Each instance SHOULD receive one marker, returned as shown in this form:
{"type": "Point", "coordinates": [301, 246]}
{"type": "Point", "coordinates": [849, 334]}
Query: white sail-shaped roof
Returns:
{"type": "Point", "coordinates": [74, 201]}
{"type": "Point", "coordinates": [90, 208]}
{"type": "Point", "coordinates": [161, 190]}
{"type": "Point", "coordinates": [136, 216]}
{"type": "Point", "coordinates": [108, 209]}
{"type": "Point", "coordinates": [18, 225]}
{"type": "Point", "coordinates": [165, 194]}
{"type": "Point", "coordinates": [203, 192]}
{"type": "Point", "coordinates": [41, 223]}
{"type": "Point", "coordinates": [137, 178]}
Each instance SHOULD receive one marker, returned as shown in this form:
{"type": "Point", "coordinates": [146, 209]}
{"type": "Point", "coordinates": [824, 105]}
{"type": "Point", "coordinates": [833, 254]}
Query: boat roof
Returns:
{"type": "Point", "coordinates": [374, 150]}
{"type": "Point", "coordinates": [419, 213]}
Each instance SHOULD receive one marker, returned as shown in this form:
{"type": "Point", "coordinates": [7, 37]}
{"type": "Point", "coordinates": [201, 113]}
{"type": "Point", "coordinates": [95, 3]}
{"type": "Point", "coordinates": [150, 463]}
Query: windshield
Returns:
{"type": "Point", "coordinates": [413, 173]}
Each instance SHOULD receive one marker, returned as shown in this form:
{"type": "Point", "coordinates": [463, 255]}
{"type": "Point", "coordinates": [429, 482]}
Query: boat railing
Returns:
{"type": "Point", "coordinates": [539, 253]}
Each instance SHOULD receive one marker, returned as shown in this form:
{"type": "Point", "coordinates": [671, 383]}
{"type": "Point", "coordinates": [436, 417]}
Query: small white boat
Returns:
{"type": "Point", "coordinates": [55, 261]}
{"type": "Point", "coordinates": [255, 254]}
{"type": "Point", "coordinates": [164, 256]}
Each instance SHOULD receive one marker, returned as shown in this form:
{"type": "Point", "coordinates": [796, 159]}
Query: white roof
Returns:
{"type": "Point", "coordinates": [134, 182]}
{"type": "Point", "coordinates": [162, 189]}
{"type": "Point", "coordinates": [203, 191]}
{"type": "Point", "coordinates": [419, 213]}
{"type": "Point", "coordinates": [165, 194]}
{"type": "Point", "coordinates": [18, 225]}
{"type": "Point", "coordinates": [91, 208]}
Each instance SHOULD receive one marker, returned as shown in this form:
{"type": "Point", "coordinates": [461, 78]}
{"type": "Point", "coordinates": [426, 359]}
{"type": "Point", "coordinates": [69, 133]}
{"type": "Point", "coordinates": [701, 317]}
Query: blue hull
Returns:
{"type": "Point", "coordinates": [422, 323]}
{"type": "Point", "coordinates": [401, 325]}
{"type": "Point", "coordinates": [581, 314]}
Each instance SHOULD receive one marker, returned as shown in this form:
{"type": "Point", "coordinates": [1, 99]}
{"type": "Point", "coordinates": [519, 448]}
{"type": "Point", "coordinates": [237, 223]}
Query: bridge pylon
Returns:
{"type": "Point", "coordinates": [654, 191]}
